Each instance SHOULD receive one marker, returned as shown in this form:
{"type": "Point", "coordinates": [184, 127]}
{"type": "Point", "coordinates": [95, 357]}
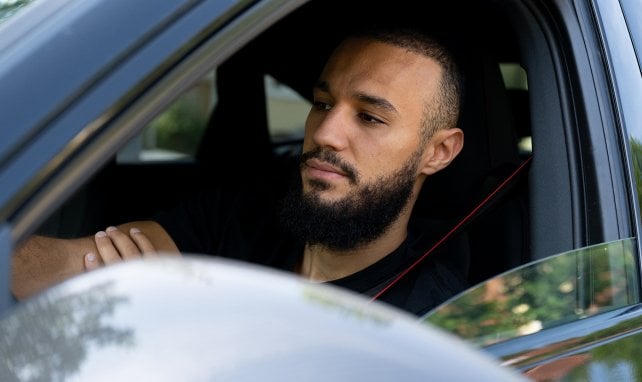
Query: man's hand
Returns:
{"type": "Point", "coordinates": [40, 262]}
{"type": "Point", "coordinates": [115, 246]}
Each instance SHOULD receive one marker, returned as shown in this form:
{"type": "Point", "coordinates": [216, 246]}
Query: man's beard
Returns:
{"type": "Point", "coordinates": [359, 218]}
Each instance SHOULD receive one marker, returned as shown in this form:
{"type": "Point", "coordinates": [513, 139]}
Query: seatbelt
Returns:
{"type": "Point", "coordinates": [475, 213]}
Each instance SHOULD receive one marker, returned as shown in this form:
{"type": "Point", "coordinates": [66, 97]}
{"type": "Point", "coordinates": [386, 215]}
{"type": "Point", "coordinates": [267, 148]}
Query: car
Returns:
{"type": "Point", "coordinates": [208, 319]}
{"type": "Point", "coordinates": [105, 103]}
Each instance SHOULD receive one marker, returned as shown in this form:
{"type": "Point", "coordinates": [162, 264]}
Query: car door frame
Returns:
{"type": "Point", "coordinates": [84, 132]}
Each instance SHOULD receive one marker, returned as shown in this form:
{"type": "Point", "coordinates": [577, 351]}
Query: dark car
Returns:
{"type": "Point", "coordinates": [114, 109]}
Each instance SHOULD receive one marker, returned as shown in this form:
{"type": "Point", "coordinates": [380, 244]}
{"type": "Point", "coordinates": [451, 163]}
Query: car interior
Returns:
{"type": "Point", "coordinates": [485, 199]}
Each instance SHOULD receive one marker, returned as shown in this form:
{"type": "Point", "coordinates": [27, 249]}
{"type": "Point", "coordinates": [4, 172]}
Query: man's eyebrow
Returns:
{"type": "Point", "coordinates": [375, 101]}
{"type": "Point", "coordinates": [322, 86]}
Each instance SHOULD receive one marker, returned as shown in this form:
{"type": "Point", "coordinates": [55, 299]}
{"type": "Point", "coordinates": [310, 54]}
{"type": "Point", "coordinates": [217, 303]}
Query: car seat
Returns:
{"type": "Point", "coordinates": [497, 234]}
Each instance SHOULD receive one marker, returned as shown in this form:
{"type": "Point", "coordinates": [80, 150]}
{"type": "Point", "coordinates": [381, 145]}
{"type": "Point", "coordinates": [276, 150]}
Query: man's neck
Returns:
{"type": "Point", "coordinates": [323, 264]}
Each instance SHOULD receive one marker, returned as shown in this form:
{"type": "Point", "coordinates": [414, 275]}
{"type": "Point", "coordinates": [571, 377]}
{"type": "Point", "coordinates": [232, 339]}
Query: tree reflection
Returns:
{"type": "Point", "coordinates": [551, 292]}
{"type": "Point", "coordinates": [48, 338]}
{"type": "Point", "coordinates": [636, 159]}
{"type": "Point", "coordinates": [9, 8]}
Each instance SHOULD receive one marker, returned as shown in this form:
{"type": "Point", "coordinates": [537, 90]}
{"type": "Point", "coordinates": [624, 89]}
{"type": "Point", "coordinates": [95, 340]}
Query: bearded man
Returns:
{"type": "Point", "coordinates": [384, 118]}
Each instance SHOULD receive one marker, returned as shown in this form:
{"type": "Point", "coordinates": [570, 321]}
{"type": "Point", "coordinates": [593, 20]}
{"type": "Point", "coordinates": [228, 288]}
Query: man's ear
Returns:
{"type": "Point", "coordinates": [443, 147]}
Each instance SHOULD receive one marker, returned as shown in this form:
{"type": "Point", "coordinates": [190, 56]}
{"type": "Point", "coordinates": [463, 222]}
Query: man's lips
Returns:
{"type": "Point", "coordinates": [323, 169]}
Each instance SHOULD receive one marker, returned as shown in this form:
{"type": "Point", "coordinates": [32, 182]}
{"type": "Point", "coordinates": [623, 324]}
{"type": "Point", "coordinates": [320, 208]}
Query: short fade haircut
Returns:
{"type": "Point", "coordinates": [446, 113]}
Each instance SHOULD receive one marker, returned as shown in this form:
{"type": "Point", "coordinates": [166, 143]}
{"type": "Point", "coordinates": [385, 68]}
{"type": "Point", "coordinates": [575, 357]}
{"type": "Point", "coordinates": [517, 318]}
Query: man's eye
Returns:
{"type": "Point", "coordinates": [322, 105]}
{"type": "Point", "coordinates": [369, 119]}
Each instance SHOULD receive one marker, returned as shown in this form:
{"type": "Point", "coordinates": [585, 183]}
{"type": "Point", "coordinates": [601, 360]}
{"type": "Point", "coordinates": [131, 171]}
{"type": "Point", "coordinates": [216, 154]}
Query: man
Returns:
{"type": "Point", "coordinates": [384, 118]}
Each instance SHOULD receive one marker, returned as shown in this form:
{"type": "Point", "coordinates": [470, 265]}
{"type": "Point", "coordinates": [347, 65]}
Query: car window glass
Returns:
{"type": "Point", "coordinates": [175, 134]}
{"type": "Point", "coordinates": [633, 14]}
{"type": "Point", "coordinates": [550, 292]}
{"type": "Point", "coordinates": [286, 111]}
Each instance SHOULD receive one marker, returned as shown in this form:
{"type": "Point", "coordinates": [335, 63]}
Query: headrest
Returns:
{"type": "Point", "coordinates": [490, 143]}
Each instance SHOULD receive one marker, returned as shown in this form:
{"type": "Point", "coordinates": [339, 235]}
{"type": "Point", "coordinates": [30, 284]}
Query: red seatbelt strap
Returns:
{"type": "Point", "coordinates": [454, 229]}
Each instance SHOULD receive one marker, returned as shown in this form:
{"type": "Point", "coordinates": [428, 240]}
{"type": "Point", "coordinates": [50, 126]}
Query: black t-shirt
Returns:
{"type": "Point", "coordinates": [242, 224]}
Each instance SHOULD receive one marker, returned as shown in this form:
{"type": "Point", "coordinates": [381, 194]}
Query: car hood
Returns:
{"type": "Point", "coordinates": [200, 319]}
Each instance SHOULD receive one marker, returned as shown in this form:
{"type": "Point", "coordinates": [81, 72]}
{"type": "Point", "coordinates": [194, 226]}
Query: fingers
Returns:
{"type": "Point", "coordinates": [115, 246]}
{"type": "Point", "coordinates": [142, 242]}
{"type": "Point", "coordinates": [91, 261]}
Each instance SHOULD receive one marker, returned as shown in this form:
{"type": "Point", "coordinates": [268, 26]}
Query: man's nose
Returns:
{"type": "Point", "coordinates": [332, 130]}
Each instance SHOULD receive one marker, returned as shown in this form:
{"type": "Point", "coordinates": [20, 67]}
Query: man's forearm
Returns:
{"type": "Point", "coordinates": [41, 262]}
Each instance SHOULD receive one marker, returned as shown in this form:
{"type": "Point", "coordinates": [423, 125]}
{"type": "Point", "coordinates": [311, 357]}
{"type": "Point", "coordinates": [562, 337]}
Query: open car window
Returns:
{"type": "Point", "coordinates": [175, 134]}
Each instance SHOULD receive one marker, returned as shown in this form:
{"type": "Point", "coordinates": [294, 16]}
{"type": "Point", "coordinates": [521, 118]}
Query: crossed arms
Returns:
{"type": "Point", "coordinates": [41, 262]}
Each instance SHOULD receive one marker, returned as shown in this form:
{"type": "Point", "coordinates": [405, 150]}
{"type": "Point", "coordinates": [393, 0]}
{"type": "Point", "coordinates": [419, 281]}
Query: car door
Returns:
{"type": "Point", "coordinates": [588, 298]}
{"type": "Point", "coordinates": [572, 316]}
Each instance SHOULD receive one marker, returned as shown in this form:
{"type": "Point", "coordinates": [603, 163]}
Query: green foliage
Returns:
{"type": "Point", "coordinates": [636, 154]}
{"type": "Point", "coordinates": [178, 129]}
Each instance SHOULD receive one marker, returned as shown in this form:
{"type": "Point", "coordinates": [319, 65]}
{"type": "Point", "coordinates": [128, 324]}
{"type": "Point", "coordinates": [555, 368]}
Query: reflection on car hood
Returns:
{"type": "Point", "coordinates": [203, 319]}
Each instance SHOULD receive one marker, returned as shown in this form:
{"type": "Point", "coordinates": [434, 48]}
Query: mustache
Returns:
{"type": "Point", "coordinates": [332, 158]}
